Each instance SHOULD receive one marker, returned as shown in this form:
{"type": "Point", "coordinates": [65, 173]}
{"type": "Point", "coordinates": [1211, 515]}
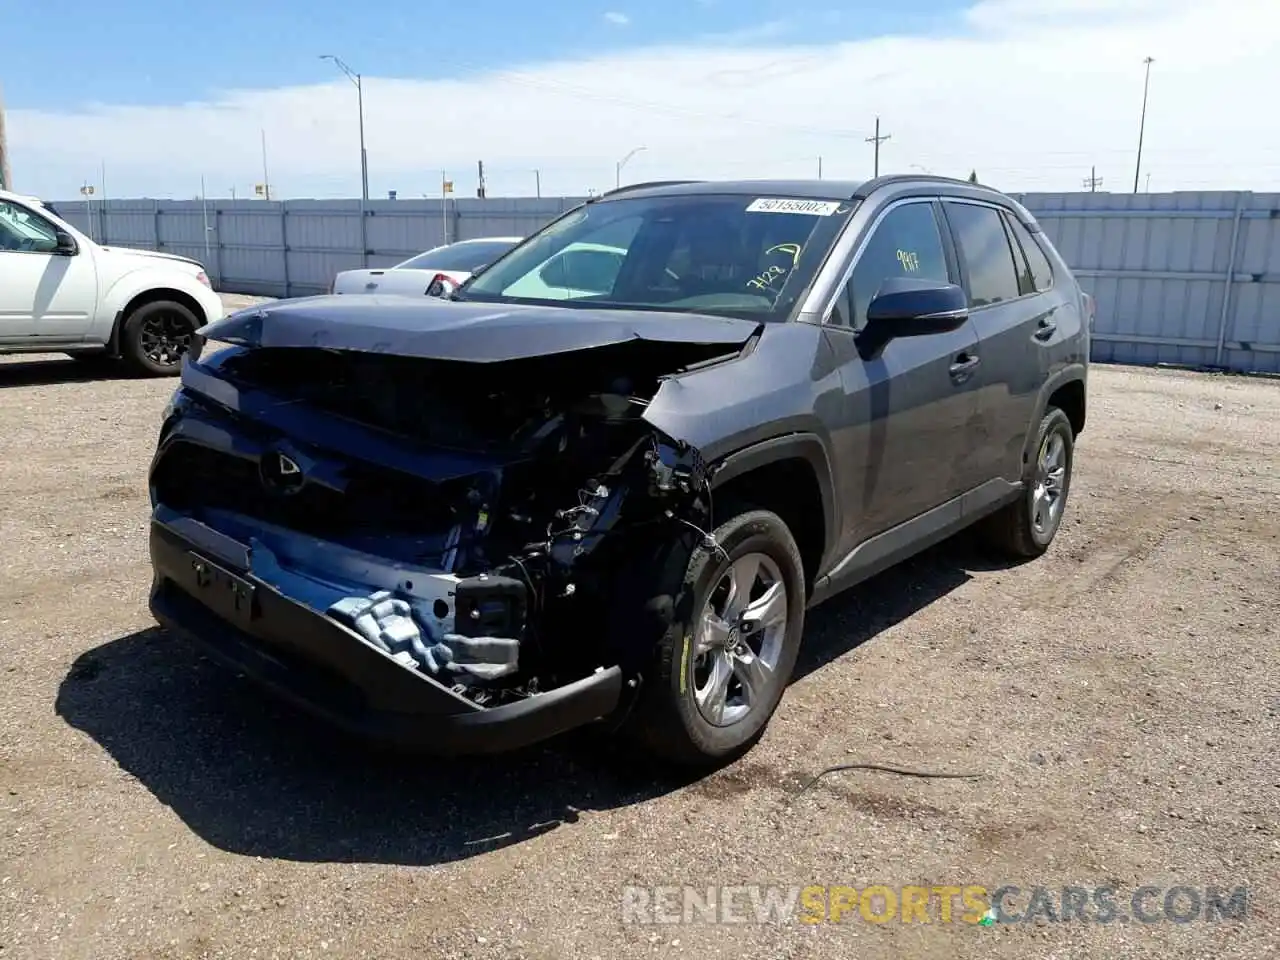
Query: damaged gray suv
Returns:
{"type": "Point", "coordinates": [606, 477]}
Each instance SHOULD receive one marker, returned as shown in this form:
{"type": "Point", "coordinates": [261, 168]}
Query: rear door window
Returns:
{"type": "Point", "coordinates": [984, 249]}
{"type": "Point", "coordinates": [1039, 275]}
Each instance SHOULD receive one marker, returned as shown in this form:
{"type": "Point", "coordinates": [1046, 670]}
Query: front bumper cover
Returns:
{"type": "Point", "coordinates": [202, 589]}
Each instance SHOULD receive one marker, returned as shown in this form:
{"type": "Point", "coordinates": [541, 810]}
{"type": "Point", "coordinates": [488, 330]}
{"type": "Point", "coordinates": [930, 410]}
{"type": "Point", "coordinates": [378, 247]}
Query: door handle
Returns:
{"type": "Point", "coordinates": [1045, 328]}
{"type": "Point", "coordinates": [963, 366]}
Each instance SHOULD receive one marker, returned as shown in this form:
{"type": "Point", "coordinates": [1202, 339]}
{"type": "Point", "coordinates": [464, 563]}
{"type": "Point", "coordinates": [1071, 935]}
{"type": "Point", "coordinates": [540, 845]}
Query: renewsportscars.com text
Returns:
{"type": "Point", "coordinates": [971, 904]}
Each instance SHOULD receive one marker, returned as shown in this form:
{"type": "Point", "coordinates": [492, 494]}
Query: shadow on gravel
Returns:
{"type": "Point", "coordinates": [254, 777]}
{"type": "Point", "coordinates": [850, 619]}
{"type": "Point", "coordinates": [45, 372]}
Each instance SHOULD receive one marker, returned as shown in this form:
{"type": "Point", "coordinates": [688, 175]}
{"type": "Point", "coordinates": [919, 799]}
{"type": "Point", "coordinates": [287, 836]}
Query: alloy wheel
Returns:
{"type": "Point", "coordinates": [738, 640]}
{"type": "Point", "coordinates": [165, 337]}
{"type": "Point", "coordinates": [1050, 484]}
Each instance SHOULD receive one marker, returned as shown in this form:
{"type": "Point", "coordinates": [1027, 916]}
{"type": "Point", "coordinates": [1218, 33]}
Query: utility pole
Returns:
{"type": "Point", "coordinates": [446, 188]}
{"type": "Point", "coordinates": [1093, 181]}
{"type": "Point", "coordinates": [1148, 190]}
{"type": "Point", "coordinates": [877, 140]}
{"type": "Point", "coordinates": [204, 209]}
{"type": "Point", "coordinates": [1142, 124]}
{"type": "Point", "coordinates": [102, 205]}
{"type": "Point", "coordinates": [480, 192]}
{"type": "Point", "coordinates": [819, 168]}
{"type": "Point", "coordinates": [266, 181]}
{"type": "Point", "coordinates": [537, 183]}
{"type": "Point", "coordinates": [6, 175]}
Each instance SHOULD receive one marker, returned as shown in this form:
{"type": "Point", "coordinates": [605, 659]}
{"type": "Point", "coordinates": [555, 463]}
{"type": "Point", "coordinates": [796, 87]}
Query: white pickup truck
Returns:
{"type": "Point", "coordinates": [61, 292]}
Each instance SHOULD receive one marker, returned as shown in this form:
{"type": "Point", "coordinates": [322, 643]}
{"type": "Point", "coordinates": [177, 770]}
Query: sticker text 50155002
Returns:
{"type": "Point", "coordinates": [816, 208]}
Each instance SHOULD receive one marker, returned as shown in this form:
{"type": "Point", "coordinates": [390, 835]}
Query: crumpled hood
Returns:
{"type": "Point", "coordinates": [152, 255]}
{"type": "Point", "coordinates": [436, 329]}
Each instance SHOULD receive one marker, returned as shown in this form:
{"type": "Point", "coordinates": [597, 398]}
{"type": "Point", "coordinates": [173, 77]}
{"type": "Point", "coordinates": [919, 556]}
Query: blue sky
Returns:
{"type": "Point", "coordinates": [183, 51]}
{"type": "Point", "coordinates": [1033, 94]}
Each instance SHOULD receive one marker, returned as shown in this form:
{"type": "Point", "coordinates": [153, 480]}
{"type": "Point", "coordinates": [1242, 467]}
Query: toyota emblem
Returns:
{"type": "Point", "coordinates": [281, 473]}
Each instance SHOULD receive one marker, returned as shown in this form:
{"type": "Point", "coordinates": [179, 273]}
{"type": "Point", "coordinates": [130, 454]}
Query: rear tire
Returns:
{"type": "Point", "coordinates": [156, 336]}
{"type": "Point", "coordinates": [718, 678]}
{"type": "Point", "coordinates": [1025, 528]}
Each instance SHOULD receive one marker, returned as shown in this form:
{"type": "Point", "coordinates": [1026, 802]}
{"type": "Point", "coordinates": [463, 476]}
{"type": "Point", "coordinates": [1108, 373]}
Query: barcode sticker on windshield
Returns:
{"type": "Point", "coordinates": [816, 208]}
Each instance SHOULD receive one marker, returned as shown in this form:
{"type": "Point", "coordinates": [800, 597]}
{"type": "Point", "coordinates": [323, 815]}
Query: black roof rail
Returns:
{"type": "Point", "coordinates": [642, 186]}
{"type": "Point", "coordinates": [867, 188]}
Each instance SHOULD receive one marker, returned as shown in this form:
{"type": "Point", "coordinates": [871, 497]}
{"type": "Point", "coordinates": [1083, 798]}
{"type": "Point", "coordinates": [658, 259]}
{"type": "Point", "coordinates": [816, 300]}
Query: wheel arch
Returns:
{"type": "Point", "coordinates": [791, 476]}
{"type": "Point", "coordinates": [152, 295]}
{"type": "Point", "coordinates": [1067, 390]}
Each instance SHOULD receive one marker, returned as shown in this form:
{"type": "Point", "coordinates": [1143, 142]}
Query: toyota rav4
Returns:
{"type": "Point", "coordinates": [471, 523]}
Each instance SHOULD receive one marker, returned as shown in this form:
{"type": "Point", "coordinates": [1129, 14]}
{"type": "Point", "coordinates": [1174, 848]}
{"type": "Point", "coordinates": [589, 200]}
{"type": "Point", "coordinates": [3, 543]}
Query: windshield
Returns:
{"type": "Point", "coordinates": [729, 254]}
{"type": "Point", "coordinates": [469, 256]}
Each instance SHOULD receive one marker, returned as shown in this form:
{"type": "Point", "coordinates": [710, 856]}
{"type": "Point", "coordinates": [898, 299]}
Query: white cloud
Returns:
{"type": "Point", "coordinates": [618, 19]}
{"type": "Point", "coordinates": [1030, 93]}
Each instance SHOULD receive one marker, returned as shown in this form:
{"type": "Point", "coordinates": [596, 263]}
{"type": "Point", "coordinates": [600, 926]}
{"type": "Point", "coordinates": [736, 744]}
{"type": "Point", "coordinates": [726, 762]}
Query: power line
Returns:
{"type": "Point", "coordinates": [1093, 181]}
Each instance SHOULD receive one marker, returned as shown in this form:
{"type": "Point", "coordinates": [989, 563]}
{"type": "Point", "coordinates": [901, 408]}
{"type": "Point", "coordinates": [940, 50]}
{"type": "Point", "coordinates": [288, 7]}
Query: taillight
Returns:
{"type": "Point", "coordinates": [204, 278]}
{"type": "Point", "coordinates": [441, 285]}
{"type": "Point", "coordinates": [1090, 309]}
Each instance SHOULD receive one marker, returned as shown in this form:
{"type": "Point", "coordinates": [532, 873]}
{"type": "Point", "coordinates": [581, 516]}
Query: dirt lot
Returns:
{"type": "Point", "coordinates": [1121, 697]}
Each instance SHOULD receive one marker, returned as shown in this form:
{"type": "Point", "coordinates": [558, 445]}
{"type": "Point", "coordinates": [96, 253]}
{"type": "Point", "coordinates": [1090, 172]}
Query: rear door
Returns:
{"type": "Point", "coordinates": [1010, 316]}
{"type": "Point", "coordinates": [909, 408]}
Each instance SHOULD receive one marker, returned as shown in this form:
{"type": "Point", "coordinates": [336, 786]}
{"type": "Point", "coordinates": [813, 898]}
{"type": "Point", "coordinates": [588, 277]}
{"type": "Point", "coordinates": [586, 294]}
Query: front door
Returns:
{"type": "Point", "coordinates": [909, 408]}
{"type": "Point", "coordinates": [43, 294]}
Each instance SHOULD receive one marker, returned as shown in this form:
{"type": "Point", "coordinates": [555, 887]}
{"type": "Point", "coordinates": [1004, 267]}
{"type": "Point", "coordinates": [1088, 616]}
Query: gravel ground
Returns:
{"type": "Point", "coordinates": [1120, 696]}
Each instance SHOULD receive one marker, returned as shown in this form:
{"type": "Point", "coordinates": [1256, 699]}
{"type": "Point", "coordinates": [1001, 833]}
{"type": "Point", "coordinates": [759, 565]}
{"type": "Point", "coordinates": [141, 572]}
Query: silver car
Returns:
{"type": "Point", "coordinates": [452, 263]}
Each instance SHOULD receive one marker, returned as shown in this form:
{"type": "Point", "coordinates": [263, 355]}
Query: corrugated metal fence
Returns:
{"type": "Point", "coordinates": [292, 248]}
{"type": "Point", "coordinates": [1188, 278]}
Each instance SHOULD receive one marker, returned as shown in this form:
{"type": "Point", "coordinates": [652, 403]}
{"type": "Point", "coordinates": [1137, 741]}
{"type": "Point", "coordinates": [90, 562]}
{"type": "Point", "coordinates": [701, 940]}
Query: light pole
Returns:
{"type": "Point", "coordinates": [617, 167]}
{"type": "Point", "coordinates": [364, 157]}
{"type": "Point", "coordinates": [6, 176]}
{"type": "Point", "coordinates": [1142, 124]}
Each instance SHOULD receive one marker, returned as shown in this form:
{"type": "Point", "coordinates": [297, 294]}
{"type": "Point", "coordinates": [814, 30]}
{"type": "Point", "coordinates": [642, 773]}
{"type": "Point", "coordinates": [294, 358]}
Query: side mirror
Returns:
{"type": "Point", "coordinates": [67, 246]}
{"type": "Point", "coordinates": [909, 307]}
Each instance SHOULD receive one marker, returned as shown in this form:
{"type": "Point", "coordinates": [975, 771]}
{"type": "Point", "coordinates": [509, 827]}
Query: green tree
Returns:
{"type": "Point", "coordinates": [973, 176]}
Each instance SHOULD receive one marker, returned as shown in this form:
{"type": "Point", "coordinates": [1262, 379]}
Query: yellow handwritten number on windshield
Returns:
{"type": "Point", "coordinates": [909, 260]}
{"type": "Point", "coordinates": [791, 248]}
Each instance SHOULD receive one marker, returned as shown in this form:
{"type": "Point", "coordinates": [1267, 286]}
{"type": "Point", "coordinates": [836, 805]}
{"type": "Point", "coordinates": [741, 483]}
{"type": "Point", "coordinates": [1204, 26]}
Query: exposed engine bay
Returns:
{"type": "Point", "coordinates": [480, 523]}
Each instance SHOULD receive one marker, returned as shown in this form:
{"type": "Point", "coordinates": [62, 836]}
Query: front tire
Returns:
{"type": "Point", "coordinates": [156, 336]}
{"type": "Point", "coordinates": [720, 676]}
{"type": "Point", "coordinates": [1025, 528]}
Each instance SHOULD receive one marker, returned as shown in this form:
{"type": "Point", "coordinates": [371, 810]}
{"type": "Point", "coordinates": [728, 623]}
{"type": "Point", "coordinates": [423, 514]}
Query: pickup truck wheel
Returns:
{"type": "Point", "coordinates": [1026, 527]}
{"type": "Point", "coordinates": [156, 336]}
{"type": "Point", "coordinates": [720, 676]}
